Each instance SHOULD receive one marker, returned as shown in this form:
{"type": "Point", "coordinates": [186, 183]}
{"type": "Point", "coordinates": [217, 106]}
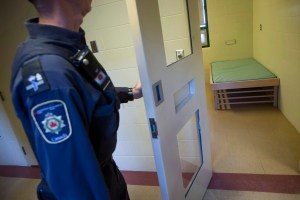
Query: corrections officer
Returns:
{"type": "Point", "coordinates": [68, 106]}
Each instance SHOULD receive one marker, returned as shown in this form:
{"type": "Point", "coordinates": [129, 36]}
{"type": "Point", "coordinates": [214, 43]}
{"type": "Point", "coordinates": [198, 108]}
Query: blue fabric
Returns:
{"type": "Point", "coordinates": [71, 126]}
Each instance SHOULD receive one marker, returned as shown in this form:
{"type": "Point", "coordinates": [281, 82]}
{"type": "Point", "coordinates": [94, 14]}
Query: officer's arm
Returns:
{"type": "Point", "coordinates": [60, 128]}
{"type": "Point", "coordinates": [126, 94]}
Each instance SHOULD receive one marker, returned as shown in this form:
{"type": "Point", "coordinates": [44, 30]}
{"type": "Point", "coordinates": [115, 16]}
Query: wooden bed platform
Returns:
{"type": "Point", "coordinates": [244, 92]}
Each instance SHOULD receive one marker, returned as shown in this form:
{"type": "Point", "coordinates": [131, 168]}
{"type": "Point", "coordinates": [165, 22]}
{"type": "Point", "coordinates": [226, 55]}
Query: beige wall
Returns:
{"type": "Point", "coordinates": [228, 20]}
{"type": "Point", "coordinates": [108, 25]}
{"type": "Point", "coordinates": [277, 46]}
{"type": "Point", "coordinates": [12, 33]}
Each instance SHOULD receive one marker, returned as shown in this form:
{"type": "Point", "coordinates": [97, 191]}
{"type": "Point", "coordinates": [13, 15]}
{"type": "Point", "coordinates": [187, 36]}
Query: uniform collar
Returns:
{"type": "Point", "coordinates": [37, 30]}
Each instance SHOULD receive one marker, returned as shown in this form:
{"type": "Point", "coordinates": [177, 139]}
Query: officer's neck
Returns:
{"type": "Point", "coordinates": [70, 22]}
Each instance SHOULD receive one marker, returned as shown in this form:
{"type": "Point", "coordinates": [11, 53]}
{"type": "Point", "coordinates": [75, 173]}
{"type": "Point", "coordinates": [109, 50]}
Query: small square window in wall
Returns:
{"type": "Point", "coordinates": [204, 34]}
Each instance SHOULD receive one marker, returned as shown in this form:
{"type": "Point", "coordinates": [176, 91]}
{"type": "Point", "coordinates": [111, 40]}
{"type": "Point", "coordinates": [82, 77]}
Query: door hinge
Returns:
{"type": "Point", "coordinates": [153, 127]}
{"type": "Point", "coordinates": [23, 149]}
{"type": "Point", "coordinates": [1, 96]}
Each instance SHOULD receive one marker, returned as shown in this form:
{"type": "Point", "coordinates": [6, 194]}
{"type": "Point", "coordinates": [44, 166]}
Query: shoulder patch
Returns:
{"type": "Point", "coordinates": [52, 120]}
{"type": "Point", "coordinates": [33, 77]}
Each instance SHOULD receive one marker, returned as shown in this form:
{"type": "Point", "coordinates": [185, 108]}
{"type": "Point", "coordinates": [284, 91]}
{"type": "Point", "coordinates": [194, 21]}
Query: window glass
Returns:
{"type": "Point", "coordinates": [204, 25]}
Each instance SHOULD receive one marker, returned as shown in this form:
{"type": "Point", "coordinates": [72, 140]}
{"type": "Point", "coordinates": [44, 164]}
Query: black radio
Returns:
{"type": "Point", "coordinates": [86, 63]}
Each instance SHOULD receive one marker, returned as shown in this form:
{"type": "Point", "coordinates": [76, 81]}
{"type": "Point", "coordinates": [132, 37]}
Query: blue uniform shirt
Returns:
{"type": "Point", "coordinates": [70, 124]}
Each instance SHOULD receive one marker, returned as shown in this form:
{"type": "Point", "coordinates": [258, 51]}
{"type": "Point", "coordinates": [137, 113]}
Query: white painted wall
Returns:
{"type": "Point", "coordinates": [12, 33]}
{"type": "Point", "coordinates": [10, 149]}
{"type": "Point", "coordinates": [277, 46]}
{"type": "Point", "coordinates": [228, 20]}
{"type": "Point", "coordinates": [108, 25]}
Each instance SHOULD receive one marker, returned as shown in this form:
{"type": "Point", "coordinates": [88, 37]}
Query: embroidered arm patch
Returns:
{"type": "Point", "coordinates": [52, 120]}
{"type": "Point", "coordinates": [33, 77]}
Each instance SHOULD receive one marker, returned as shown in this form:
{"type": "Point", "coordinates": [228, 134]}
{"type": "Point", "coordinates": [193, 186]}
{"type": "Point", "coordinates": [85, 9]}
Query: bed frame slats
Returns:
{"type": "Point", "coordinates": [245, 92]}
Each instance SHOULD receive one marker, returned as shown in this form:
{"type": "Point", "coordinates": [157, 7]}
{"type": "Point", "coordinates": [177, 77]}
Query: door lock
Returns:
{"type": "Point", "coordinates": [153, 128]}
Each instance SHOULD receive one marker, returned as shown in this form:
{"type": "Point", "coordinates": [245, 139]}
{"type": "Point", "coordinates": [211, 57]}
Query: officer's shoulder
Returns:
{"type": "Point", "coordinates": [42, 72]}
{"type": "Point", "coordinates": [53, 62]}
{"type": "Point", "coordinates": [47, 62]}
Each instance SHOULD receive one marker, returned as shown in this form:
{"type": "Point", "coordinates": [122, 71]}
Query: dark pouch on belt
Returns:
{"type": "Point", "coordinates": [43, 191]}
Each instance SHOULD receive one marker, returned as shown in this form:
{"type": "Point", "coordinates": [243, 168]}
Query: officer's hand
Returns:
{"type": "Point", "coordinates": [137, 90]}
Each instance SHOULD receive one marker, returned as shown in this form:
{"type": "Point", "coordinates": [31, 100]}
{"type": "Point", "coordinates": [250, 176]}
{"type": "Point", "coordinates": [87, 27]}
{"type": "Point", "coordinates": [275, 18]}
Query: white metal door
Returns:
{"type": "Point", "coordinates": [174, 93]}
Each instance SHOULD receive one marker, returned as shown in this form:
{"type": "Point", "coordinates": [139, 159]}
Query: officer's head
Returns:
{"type": "Point", "coordinates": [82, 6]}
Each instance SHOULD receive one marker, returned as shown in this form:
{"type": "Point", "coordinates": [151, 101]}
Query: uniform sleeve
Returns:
{"type": "Point", "coordinates": [59, 117]}
{"type": "Point", "coordinates": [125, 94]}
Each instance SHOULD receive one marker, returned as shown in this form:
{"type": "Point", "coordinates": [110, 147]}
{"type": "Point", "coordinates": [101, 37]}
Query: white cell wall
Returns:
{"type": "Point", "coordinates": [277, 46]}
{"type": "Point", "coordinates": [228, 19]}
{"type": "Point", "coordinates": [10, 149]}
{"type": "Point", "coordinates": [108, 25]}
{"type": "Point", "coordinates": [12, 33]}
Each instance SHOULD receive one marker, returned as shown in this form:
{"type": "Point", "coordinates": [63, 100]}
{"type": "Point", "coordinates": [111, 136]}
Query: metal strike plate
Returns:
{"type": "Point", "coordinates": [94, 46]}
{"type": "Point", "coordinates": [153, 128]}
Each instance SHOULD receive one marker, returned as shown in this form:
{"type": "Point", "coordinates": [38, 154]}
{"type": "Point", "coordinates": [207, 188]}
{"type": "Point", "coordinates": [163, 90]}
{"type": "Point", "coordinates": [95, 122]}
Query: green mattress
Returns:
{"type": "Point", "coordinates": [239, 70]}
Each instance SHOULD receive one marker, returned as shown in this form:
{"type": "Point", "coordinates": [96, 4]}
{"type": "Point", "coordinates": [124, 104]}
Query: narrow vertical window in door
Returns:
{"type": "Point", "coordinates": [204, 33]}
{"type": "Point", "coordinates": [190, 150]}
{"type": "Point", "coordinates": [175, 29]}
